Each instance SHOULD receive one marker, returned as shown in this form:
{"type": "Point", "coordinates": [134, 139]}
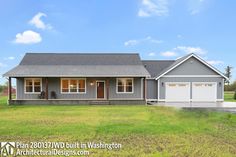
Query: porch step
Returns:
{"type": "Point", "coordinates": [99, 102]}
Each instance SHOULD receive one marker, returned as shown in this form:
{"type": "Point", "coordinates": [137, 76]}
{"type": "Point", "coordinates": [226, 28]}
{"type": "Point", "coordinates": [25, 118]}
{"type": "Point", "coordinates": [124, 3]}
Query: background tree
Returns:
{"type": "Point", "coordinates": [228, 73]}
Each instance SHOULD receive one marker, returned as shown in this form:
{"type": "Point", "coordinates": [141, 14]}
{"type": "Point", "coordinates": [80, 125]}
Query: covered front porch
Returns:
{"type": "Point", "coordinates": [71, 90]}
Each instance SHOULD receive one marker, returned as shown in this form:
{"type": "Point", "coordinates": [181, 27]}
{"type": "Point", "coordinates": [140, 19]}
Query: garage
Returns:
{"type": "Point", "coordinates": [204, 91]}
{"type": "Point", "coordinates": [177, 91]}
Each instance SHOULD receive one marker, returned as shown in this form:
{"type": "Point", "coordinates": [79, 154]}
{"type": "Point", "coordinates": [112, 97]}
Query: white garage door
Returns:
{"type": "Point", "coordinates": [204, 91]}
{"type": "Point", "coordinates": [176, 91]}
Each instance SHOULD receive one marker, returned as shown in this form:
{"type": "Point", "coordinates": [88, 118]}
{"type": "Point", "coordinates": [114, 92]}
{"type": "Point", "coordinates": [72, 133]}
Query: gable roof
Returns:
{"type": "Point", "coordinates": [155, 67]}
{"type": "Point", "coordinates": [79, 65]}
{"type": "Point", "coordinates": [183, 59]}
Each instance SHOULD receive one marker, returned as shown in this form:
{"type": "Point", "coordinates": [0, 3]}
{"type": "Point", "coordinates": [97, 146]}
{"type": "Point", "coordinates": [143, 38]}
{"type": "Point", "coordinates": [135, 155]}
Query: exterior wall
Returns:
{"type": "Point", "coordinates": [20, 91]}
{"type": "Point", "coordinates": [152, 89]}
{"type": "Point", "coordinates": [220, 88]}
{"type": "Point", "coordinates": [137, 90]}
{"type": "Point", "coordinates": [192, 66]}
{"type": "Point", "coordinates": [54, 84]}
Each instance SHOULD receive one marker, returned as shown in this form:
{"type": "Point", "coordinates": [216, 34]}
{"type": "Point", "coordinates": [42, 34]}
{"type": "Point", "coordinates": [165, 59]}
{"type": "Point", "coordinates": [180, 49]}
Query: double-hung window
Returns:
{"type": "Point", "coordinates": [124, 85]}
{"type": "Point", "coordinates": [33, 85]}
{"type": "Point", "coordinates": [73, 85]}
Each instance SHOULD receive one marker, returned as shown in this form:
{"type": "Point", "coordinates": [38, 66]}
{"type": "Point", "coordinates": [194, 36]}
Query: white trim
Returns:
{"type": "Point", "coordinates": [191, 76]}
{"type": "Point", "coordinates": [32, 79]}
{"type": "Point", "coordinates": [69, 79]}
{"type": "Point", "coordinates": [103, 90]}
{"type": "Point", "coordinates": [152, 78]}
{"type": "Point", "coordinates": [201, 60]}
{"type": "Point", "coordinates": [189, 89]}
{"type": "Point", "coordinates": [125, 86]}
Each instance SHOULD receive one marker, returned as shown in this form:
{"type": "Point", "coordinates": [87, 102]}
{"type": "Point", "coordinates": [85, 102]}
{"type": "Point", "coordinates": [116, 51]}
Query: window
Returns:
{"type": "Point", "coordinates": [33, 85]}
{"type": "Point", "coordinates": [124, 85]}
{"type": "Point", "coordinates": [73, 85]}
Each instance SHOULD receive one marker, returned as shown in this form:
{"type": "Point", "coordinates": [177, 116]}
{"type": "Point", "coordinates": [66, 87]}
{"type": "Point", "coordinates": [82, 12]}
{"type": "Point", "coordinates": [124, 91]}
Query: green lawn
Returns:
{"type": "Point", "coordinates": [142, 130]}
{"type": "Point", "coordinates": [229, 96]}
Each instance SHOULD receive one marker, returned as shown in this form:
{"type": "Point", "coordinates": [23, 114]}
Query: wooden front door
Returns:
{"type": "Point", "coordinates": [100, 89]}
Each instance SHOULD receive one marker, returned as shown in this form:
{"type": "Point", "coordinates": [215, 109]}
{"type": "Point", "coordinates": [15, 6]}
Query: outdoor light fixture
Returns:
{"type": "Point", "coordinates": [219, 83]}
{"type": "Point", "coordinates": [162, 84]}
{"type": "Point", "coordinates": [91, 83]}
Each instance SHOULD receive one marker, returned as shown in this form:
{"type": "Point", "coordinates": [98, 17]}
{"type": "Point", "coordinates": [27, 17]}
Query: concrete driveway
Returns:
{"type": "Point", "coordinates": [221, 106]}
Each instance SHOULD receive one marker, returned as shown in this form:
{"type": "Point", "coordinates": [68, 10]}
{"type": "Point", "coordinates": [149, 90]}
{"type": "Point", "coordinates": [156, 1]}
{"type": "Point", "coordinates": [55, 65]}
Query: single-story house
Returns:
{"type": "Point", "coordinates": [113, 78]}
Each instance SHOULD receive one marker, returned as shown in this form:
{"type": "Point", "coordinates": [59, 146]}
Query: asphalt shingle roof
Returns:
{"type": "Point", "coordinates": [79, 65]}
{"type": "Point", "coordinates": [155, 67]}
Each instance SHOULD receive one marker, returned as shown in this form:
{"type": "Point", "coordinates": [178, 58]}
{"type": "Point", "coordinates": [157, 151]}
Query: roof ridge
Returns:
{"type": "Point", "coordinates": [85, 53]}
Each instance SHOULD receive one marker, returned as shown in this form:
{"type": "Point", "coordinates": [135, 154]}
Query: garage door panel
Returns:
{"type": "Point", "coordinates": [204, 91]}
{"type": "Point", "coordinates": [177, 91]}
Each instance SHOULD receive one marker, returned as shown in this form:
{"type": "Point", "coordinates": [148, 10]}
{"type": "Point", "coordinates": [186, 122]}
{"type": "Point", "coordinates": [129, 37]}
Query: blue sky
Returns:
{"type": "Point", "coordinates": [157, 29]}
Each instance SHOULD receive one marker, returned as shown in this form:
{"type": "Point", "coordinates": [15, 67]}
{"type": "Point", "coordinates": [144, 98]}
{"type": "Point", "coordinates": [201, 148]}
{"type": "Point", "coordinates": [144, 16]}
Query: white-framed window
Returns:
{"type": "Point", "coordinates": [124, 85]}
{"type": "Point", "coordinates": [73, 85]}
{"type": "Point", "coordinates": [33, 85]}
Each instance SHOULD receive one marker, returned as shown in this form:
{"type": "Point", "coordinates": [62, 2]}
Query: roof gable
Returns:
{"type": "Point", "coordinates": [182, 60]}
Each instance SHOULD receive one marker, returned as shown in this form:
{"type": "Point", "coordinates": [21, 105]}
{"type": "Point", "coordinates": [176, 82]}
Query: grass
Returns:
{"type": "Point", "coordinates": [229, 96]}
{"type": "Point", "coordinates": [142, 130]}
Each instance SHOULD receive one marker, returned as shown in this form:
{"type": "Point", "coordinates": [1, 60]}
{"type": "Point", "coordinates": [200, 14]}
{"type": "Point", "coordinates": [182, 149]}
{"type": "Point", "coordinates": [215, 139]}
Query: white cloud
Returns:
{"type": "Point", "coordinates": [38, 23]}
{"type": "Point", "coordinates": [184, 49]}
{"type": "Point", "coordinates": [151, 54]}
{"type": "Point", "coordinates": [189, 49]}
{"type": "Point", "coordinates": [169, 54]}
{"type": "Point", "coordinates": [9, 58]}
{"type": "Point", "coordinates": [153, 8]}
{"type": "Point", "coordinates": [148, 39]}
{"type": "Point", "coordinates": [215, 62]}
{"type": "Point", "coordinates": [28, 37]}
{"type": "Point", "coordinates": [142, 13]}
{"type": "Point", "coordinates": [131, 43]}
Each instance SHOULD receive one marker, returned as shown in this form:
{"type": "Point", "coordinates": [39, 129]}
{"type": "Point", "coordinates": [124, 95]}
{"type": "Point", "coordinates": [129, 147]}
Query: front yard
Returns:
{"type": "Point", "coordinates": [229, 96]}
{"type": "Point", "coordinates": [142, 130]}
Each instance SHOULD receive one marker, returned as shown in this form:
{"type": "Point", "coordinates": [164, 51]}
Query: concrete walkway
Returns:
{"type": "Point", "coordinates": [220, 106]}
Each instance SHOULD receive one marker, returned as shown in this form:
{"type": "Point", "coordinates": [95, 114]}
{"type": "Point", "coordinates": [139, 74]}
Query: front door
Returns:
{"type": "Point", "coordinates": [100, 89]}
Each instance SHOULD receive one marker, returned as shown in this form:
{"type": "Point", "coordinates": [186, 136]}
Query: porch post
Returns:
{"type": "Point", "coordinates": [144, 88]}
{"type": "Point", "coordinates": [9, 89]}
{"type": "Point", "coordinates": [107, 89]}
{"type": "Point", "coordinates": [46, 92]}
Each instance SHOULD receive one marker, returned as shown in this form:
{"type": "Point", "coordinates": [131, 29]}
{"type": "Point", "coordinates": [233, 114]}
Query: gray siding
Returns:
{"type": "Point", "coordinates": [137, 91]}
{"type": "Point", "coordinates": [192, 67]}
{"type": "Point", "coordinates": [54, 84]}
{"type": "Point", "coordinates": [220, 94]}
{"type": "Point", "coordinates": [152, 89]}
{"type": "Point", "coordinates": [20, 91]}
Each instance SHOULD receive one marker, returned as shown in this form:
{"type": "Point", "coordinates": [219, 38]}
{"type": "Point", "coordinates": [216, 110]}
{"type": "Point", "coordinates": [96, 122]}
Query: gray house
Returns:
{"type": "Point", "coordinates": [108, 78]}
